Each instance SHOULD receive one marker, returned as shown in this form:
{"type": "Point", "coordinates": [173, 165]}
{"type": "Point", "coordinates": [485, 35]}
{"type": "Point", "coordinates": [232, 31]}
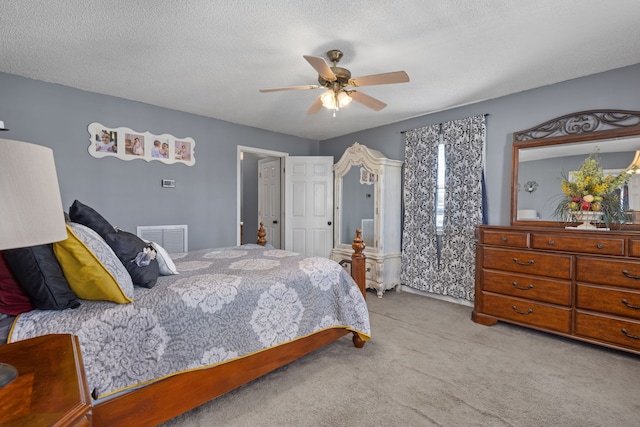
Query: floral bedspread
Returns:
{"type": "Point", "coordinates": [224, 304]}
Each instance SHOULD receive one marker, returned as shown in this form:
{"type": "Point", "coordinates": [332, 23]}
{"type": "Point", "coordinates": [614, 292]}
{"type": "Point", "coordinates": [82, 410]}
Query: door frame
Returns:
{"type": "Point", "coordinates": [260, 152]}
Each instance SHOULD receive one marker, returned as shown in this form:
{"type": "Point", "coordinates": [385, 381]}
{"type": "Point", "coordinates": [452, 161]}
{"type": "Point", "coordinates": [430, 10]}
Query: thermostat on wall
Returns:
{"type": "Point", "coordinates": [169, 183]}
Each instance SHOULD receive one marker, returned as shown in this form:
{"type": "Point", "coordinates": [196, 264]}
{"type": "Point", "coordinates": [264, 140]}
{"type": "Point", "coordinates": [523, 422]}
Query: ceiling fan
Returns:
{"type": "Point", "coordinates": [337, 80]}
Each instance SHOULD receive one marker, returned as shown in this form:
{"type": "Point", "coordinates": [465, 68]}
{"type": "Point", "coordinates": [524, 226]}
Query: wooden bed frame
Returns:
{"type": "Point", "coordinates": [160, 401]}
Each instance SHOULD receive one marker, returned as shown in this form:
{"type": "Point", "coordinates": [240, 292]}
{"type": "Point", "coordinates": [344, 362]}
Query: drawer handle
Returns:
{"type": "Point", "coordinates": [600, 245]}
{"type": "Point", "coordinates": [551, 242]}
{"type": "Point", "coordinates": [530, 286]}
{"type": "Point", "coordinates": [523, 263]}
{"type": "Point", "coordinates": [635, 307]}
{"type": "Point", "coordinates": [521, 312]}
{"type": "Point", "coordinates": [504, 239]}
{"type": "Point", "coordinates": [630, 276]}
{"type": "Point", "coordinates": [624, 331]}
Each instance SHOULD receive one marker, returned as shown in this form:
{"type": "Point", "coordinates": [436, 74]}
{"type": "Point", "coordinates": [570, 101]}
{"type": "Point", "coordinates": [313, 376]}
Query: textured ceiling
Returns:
{"type": "Point", "coordinates": [211, 57]}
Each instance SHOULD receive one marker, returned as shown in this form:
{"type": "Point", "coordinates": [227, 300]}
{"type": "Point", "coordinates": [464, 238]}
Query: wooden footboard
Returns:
{"type": "Point", "coordinates": [161, 401]}
{"type": "Point", "coordinates": [172, 396]}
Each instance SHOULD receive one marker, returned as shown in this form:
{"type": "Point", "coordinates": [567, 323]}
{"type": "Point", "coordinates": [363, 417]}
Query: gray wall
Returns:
{"type": "Point", "coordinates": [128, 193]}
{"type": "Point", "coordinates": [616, 89]}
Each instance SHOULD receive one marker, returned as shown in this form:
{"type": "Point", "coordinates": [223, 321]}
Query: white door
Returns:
{"type": "Point", "coordinates": [309, 205]}
{"type": "Point", "coordinates": [269, 199]}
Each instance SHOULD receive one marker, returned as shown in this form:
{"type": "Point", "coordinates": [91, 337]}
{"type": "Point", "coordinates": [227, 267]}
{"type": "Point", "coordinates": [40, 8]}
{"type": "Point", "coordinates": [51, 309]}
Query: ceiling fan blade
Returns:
{"type": "Point", "coordinates": [278, 89]}
{"type": "Point", "coordinates": [315, 107]}
{"type": "Point", "coordinates": [366, 100]}
{"type": "Point", "coordinates": [380, 79]}
{"type": "Point", "coordinates": [321, 67]}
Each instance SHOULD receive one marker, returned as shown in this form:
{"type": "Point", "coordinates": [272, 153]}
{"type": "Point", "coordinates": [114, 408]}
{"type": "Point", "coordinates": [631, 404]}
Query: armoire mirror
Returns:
{"type": "Point", "coordinates": [358, 195]}
{"type": "Point", "coordinates": [545, 153]}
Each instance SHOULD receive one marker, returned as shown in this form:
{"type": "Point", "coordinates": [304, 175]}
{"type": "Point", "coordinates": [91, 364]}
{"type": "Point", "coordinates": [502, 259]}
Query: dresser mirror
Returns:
{"type": "Point", "coordinates": [545, 153]}
{"type": "Point", "coordinates": [358, 194]}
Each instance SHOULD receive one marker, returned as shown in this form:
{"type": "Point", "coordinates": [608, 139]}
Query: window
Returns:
{"type": "Point", "coordinates": [440, 190]}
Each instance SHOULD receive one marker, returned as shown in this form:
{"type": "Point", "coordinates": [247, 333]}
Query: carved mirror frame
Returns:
{"type": "Point", "coordinates": [584, 126]}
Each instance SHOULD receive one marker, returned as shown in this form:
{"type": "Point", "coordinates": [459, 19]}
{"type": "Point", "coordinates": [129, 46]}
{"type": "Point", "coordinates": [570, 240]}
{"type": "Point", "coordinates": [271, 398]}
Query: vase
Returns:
{"type": "Point", "coordinates": [587, 218]}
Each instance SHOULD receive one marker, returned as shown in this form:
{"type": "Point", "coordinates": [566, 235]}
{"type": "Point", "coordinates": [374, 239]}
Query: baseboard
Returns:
{"type": "Point", "coordinates": [405, 288]}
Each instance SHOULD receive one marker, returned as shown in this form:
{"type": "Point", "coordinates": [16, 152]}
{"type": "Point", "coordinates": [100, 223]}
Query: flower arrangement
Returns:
{"type": "Point", "coordinates": [591, 190]}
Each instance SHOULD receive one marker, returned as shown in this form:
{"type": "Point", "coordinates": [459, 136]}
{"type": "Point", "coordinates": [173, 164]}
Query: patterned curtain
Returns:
{"type": "Point", "coordinates": [463, 145]}
{"type": "Point", "coordinates": [453, 274]}
{"type": "Point", "coordinates": [419, 246]}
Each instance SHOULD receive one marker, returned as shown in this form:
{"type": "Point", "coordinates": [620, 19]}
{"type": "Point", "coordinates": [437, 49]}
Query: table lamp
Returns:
{"type": "Point", "coordinates": [30, 205]}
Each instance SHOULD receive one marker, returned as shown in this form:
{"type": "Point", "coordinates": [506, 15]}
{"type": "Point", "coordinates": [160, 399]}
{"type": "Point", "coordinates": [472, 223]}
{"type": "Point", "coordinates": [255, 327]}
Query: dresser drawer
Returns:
{"type": "Point", "coordinates": [612, 330]}
{"type": "Point", "coordinates": [530, 287]}
{"type": "Point", "coordinates": [634, 248]}
{"type": "Point", "coordinates": [528, 262]}
{"type": "Point", "coordinates": [506, 238]}
{"type": "Point", "coordinates": [608, 272]}
{"type": "Point", "coordinates": [371, 271]}
{"type": "Point", "coordinates": [527, 312]}
{"type": "Point", "coordinates": [592, 245]}
{"type": "Point", "coordinates": [608, 300]}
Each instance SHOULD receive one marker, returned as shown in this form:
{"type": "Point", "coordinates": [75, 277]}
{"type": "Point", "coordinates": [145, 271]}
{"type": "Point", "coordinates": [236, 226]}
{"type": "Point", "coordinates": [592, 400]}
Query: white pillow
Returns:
{"type": "Point", "coordinates": [167, 267]}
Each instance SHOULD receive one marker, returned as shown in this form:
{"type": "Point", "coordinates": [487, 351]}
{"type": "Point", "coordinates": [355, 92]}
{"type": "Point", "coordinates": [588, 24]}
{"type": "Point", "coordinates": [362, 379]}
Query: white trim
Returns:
{"type": "Point", "coordinates": [460, 301]}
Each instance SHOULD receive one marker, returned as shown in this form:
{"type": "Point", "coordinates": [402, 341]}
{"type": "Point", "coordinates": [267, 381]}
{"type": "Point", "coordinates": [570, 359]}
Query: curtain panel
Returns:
{"type": "Point", "coordinates": [450, 270]}
{"type": "Point", "coordinates": [419, 245]}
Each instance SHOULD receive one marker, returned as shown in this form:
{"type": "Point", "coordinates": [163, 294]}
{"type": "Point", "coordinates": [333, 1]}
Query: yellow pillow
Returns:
{"type": "Point", "coordinates": [87, 276]}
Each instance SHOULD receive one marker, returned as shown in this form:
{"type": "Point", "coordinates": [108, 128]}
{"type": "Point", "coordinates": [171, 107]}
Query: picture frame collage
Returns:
{"type": "Point", "coordinates": [128, 144]}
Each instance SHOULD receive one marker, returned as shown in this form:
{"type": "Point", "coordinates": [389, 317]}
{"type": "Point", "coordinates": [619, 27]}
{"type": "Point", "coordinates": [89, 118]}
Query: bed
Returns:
{"type": "Point", "coordinates": [230, 316]}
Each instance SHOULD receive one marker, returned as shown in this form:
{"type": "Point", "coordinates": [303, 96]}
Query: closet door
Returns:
{"type": "Point", "coordinates": [309, 205]}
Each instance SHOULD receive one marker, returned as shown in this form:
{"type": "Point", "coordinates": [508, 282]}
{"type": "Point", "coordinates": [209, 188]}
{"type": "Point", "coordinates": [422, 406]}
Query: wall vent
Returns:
{"type": "Point", "coordinates": [171, 237]}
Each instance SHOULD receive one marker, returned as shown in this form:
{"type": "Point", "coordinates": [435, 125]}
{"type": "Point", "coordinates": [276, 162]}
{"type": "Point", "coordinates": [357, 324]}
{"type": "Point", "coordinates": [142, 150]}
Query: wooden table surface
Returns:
{"type": "Point", "coordinates": [51, 387]}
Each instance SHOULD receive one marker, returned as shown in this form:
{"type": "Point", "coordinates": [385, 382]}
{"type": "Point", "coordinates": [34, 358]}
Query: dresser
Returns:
{"type": "Point", "coordinates": [51, 387]}
{"type": "Point", "coordinates": [583, 285]}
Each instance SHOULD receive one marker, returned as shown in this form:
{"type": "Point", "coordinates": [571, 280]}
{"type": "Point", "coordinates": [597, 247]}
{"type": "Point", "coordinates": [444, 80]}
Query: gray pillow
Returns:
{"type": "Point", "coordinates": [105, 254]}
{"type": "Point", "coordinates": [127, 246]}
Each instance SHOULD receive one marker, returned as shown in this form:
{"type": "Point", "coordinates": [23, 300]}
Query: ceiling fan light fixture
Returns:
{"type": "Point", "coordinates": [343, 99]}
{"type": "Point", "coordinates": [332, 101]}
{"type": "Point", "coordinates": [328, 100]}
{"type": "Point", "coordinates": [336, 79]}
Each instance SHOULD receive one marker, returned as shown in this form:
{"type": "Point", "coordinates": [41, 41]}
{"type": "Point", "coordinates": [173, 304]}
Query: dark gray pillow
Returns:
{"type": "Point", "coordinates": [37, 270]}
{"type": "Point", "coordinates": [87, 216]}
{"type": "Point", "coordinates": [127, 246]}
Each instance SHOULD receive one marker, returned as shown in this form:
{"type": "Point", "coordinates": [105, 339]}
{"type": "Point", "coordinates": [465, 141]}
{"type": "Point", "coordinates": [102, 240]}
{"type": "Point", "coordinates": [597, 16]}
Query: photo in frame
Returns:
{"type": "Point", "coordinates": [366, 177]}
{"type": "Point", "coordinates": [128, 144]}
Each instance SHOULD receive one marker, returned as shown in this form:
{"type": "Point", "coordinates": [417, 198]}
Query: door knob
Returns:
{"type": "Point", "coordinates": [275, 221]}
{"type": "Point", "coordinates": [329, 223]}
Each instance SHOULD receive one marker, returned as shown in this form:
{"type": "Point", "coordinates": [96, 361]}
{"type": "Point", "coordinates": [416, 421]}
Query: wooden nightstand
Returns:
{"type": "Point", "coordinates": [51, 388]}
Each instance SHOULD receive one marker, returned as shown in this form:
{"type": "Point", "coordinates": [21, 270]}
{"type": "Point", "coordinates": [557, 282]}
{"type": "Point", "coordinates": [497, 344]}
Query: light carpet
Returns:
{"type": "Point", "coordinates": [428, 364]}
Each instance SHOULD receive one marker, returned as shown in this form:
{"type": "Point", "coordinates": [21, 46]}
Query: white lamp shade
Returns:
{"type": "Point", "coordinates": [30, 204]}
{"type": "Point", "coordinates": [343, 99]}
{"type": "Point", "coordinates": [328, 100]}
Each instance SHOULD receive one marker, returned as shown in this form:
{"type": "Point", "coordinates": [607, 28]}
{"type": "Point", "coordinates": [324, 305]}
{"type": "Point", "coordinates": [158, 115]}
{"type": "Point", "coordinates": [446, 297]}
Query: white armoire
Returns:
{"type": "Point", "coordinates": [367, 193]}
